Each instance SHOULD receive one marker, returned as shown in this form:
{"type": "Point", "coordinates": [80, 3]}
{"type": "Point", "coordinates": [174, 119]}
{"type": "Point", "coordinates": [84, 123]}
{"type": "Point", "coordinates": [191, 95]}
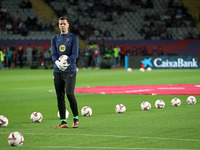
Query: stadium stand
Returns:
{"type": "Point", "coordinates": [124, 19]}
{"type": "Point", "coordinates": [20, 23]}
{"type": "Point", "coordinates": [94, 20]}
{"type": "Point", "coordinates": [122, 23]}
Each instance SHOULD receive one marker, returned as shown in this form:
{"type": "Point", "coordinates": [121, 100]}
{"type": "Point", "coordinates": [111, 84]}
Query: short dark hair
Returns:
{"type": "Point", "coordinates": [63, 18]}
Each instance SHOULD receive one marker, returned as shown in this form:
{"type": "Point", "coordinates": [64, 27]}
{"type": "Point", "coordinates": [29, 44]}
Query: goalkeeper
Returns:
{"type": "Point", "coordinates": [64, 74]}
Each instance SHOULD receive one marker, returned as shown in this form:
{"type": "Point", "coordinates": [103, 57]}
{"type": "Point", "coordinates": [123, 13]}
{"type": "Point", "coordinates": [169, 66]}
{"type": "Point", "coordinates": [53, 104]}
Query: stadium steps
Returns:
{"type": "Point", "coordinates": [193, 8]}
{"type": "Point", "coordinates": [43, 10]}
{"type": "Point", "coordinates": [46, 13]}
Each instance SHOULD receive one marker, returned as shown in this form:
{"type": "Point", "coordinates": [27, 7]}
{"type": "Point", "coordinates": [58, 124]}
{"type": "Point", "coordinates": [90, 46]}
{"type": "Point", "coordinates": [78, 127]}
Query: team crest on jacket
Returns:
{"type": "Point", "coordinates": [67, 39]}
{"type": "Point", "coordinates": [62, 48]}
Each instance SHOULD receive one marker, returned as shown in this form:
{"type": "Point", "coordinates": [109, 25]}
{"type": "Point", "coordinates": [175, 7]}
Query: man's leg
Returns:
{"type": "Point", "coordinates": [59, 87]}
{"type": "Point", "coordinates": [70, 81]}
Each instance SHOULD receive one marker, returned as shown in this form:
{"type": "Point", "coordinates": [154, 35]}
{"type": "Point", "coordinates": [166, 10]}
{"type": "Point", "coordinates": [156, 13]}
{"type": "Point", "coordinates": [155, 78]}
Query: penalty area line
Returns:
{"type": "Point", "coordinates": [114, 136]}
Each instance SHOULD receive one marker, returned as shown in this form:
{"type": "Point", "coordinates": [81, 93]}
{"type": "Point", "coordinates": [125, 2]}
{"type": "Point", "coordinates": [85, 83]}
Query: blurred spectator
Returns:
{"type": "Point", "coordinates": [138, 51]}
{"type": "Point", "coordinates": [73, 2]}
{"type": "Point", "coordinates": [1, 59]}
{"type": "Point", "coordinates": [62, 11]}
{"type": "Point", "coordinates": [22, 4]}
{"type": "Point", "coordinates": [9, 57]}
{"type": "Point", "coordinates": [22, 27]}
{"type": "Point", "coordinates": [102, 47]}
{"type": "Point", "coordinates": [91, 52]}
{"type": "Point", "coordinates": [170, 3]}
{"type": "Point", "coordinates": [79, 60]}
{"type": "Point", "coordinates": [14, 59]}
{"type": "Point", "coordinates": [29, 55]}
{"type": "Point", "coordinates": [169, 35]}
{"type": "Point", "coordinates": [146, 4]}
{"type": "Point", "coordinates": [25, 32]}
{"type": "Point", "coordinates": [133, 50]}
{"type": "Point", "coordinates": [75, 17]}
{"type": "Point", "coordinates": [128, 51]}
{"type": "Point", "coordinates": [32, 24]}
{"type": "Point", "coordinates": [16, 16]}
{"type": "Point", "coordinates": [97, 32]}
{"type": "Point", "coordinates": [47, 57]}
{"type": "Point", "coordinates": [28, 4]}
{"type": "Point", "coordinates": [107, 33]}
{"type": "Point", "coordinates": [12, 48]}
{"type": "Point", "coordinates": [5, 55]}
{"type": "Point", "coordinates": [160, 51]}
{"type": "Point", "coordinates": [96, 56]}
{"type": "Point", "coordinates": [107, 17]}
{"type": "Point", "coordinates": [190, 35]}
{"type": "Point", "coordinates": [148, 35]}
{"type": "Point", "coordinates": [119, 58]}
{"type": "Point", "coordinates": [36, 53]}
{"type": "Point", "coordinates": [122, 57]}
{"type": "Point", "coordinates": [86, 53]}
{"type": "Point", "coordinates": [145, 52]}
{"type": "Point", "coordinates": [108, 55]}
{"type": "Point", "coordinates": [115, 55]}
{"type": "Point", "coordinates": [142, 30]}
{"type": "Point", "coordinates": [3, 10]}
{"type": "Point", "coordinates": [20, 56]}
{"type": "Point", "coordinates": [25, 4]}
{"type": "Point", "coordinates": [154, 51]}
{"type": "Point", "coordinates": [41, 57]}
{"type": "Point", "coordinates": [8, 26]}
{"type": "Point", "coordinates": [53, 23]}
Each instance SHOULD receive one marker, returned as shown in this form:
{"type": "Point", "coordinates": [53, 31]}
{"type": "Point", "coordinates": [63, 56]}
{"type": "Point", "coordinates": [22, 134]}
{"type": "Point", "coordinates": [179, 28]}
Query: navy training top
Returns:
{"type": "Point", "coordinates": [65, 44]}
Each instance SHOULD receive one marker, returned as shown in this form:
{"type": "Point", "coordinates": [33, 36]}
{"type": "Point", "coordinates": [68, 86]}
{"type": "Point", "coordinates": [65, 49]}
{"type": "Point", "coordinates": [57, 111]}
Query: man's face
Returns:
{"type": "Point", "coordinates": [63, 26]}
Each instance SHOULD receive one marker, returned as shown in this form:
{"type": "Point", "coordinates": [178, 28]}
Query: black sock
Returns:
{"type": "Point", "coordinates": [75, 120]}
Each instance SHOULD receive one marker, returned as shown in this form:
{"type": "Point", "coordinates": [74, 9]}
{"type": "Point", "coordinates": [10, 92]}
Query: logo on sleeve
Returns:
{"type": "Point", "coordinates": [62, 48]}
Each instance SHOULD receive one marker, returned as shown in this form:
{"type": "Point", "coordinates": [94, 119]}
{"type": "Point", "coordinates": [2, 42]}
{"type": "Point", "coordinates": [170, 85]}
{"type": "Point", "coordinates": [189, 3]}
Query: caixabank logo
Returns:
{"type": "Point", "coordinates": [171, 62]}
{"type": "Point", "coordinates": [146, 63]}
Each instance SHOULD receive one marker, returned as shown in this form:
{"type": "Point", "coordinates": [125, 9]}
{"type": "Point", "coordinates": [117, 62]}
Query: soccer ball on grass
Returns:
{"type": "Point", "coordinates": [149, 69]}
{"type": "Point", "coordinates": [86, 111]}
{"type": "Point", "coordinates": [129, 69]}
{"type": "Point", "coordinates": [120, 108]}
{"type": "Point", "coordinates": [36, 117]}
{"type": "Point", "coordinates": [145, 106]}
{"type": "Point", "coordinates": [3, 121]}
{"type": "Point", "coordinates": [191, 100]}
{"type": "Point", "coordinates": [15, 139]}
{"type": "Point", "coordinates": [176, 102]}
{"type": "Point", "coordinates": [159, 104]}
{"type": "Point", "coordinates": [142, 69]}
{"type": "Point", "coordinates": [66, 114]}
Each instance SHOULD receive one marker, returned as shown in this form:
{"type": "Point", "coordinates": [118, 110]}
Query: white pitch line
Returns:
{"type": "Point", "coordinates": [171, 88]}
{"type": "Point", "coordinates": [133, 91]}
{"type": "Point", "coordinates": [82, 147]}
{"type": "Point", "coordinates": [114, 136]}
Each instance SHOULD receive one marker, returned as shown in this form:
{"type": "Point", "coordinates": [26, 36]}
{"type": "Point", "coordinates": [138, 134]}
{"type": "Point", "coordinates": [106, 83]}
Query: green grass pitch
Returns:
{"type": "Point", "coordinates": [25, 91]}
